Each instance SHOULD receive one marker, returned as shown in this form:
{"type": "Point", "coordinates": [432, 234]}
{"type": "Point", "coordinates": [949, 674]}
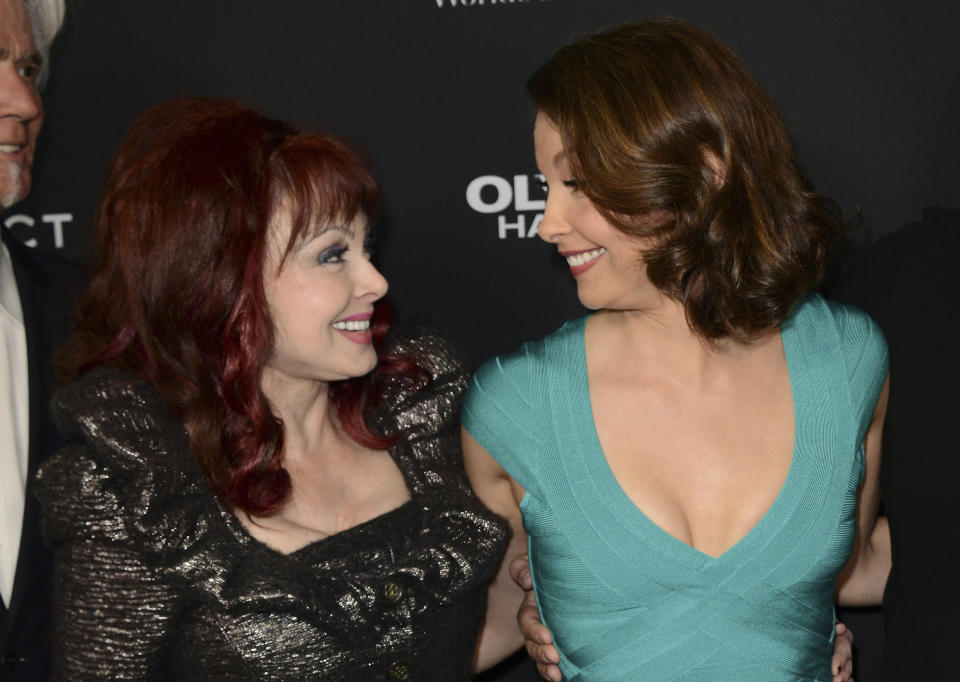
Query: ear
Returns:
{"type": "Point", "coordinates": [718, 169]}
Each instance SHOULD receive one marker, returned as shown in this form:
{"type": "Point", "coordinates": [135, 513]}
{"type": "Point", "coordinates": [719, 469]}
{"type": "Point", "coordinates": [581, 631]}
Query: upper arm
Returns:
{"type": "Point", "coordinates": [869, 501]}
{"type": "Point", "coordinates": [866, 360]}
{"type": "Point", "coordinates": [113, 615]}
{"type": "Point", "coordinates": [862, 580]}
{"type": "Point", "coordinates": [498, 491]}
{"type": "Point", "coordinates": [113, 612]}
{"type": "Point", "coordinates": [500, 414]}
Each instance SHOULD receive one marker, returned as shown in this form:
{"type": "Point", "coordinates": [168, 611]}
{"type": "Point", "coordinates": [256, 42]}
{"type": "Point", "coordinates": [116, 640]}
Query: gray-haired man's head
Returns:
{"type": "Point", "coordinates": [27, 28]}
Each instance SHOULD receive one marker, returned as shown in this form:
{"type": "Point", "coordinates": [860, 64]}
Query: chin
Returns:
{"type": "Point", "coordinates": [14, 185]}
{"type": "Point", "coordinates": [368, 366]}
{"type": "Point", "coordinates": [592, 301]}
{"type": "Point", "coordinates": [592, 306]}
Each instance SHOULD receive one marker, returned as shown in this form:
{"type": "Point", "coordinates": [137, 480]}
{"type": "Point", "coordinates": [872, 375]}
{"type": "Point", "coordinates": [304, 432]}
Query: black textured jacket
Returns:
{"type": "Point", "coordinates": [154, 579]}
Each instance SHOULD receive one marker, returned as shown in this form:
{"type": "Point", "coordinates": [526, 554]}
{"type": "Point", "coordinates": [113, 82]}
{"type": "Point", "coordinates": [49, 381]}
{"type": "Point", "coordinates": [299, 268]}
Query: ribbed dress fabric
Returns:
{"type": "Point", "coordinates": [627, 601]}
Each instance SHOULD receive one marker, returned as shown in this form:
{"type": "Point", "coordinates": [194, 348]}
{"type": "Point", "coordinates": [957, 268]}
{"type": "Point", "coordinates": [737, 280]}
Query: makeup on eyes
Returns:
{"type": "Point", "coordinates": [333, 254]}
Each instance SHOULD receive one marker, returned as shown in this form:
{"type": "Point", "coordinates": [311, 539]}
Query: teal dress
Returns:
{"type": "Point", "coordinates": [627, 601]}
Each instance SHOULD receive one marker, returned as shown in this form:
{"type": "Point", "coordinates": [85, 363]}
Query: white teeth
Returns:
{"type": "Point", "coordinates": [352, 325]}
{"type": "Point", "coordinates": [10, 148]}
{"type": "Point", "coordinates": [585, 257]}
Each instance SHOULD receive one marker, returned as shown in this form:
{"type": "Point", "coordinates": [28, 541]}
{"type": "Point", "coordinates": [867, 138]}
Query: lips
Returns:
{"type": "Point", "coordinates": [7, 148]}
{"type": "Point", "coordinates": [356, 328]}
{"type": "Point", "coordinates": [581, 261]}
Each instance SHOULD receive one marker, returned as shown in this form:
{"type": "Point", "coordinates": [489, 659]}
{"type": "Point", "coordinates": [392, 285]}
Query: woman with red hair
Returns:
{"type": "Point", "coordinates": [260, 480]}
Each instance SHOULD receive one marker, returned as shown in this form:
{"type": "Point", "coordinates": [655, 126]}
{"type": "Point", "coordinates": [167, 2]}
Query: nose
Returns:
{"type": "Point", "coordinates": [370, 284]}
{"type": "Point", "coordinates": [553, 225]}
{"type": "Point", "coordinates": [18, 95]}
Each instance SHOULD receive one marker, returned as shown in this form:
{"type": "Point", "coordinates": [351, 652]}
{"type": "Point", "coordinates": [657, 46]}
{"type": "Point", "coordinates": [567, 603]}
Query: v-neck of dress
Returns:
{"type": "Point", "coordinates": [620, 505]}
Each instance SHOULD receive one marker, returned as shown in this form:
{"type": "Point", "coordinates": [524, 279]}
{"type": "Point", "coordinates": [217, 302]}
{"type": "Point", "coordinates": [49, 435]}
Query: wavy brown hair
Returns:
{"type": "Point", "coordinates": [640, 109]}
{"type": "Point", "coordinates": [177, 296]}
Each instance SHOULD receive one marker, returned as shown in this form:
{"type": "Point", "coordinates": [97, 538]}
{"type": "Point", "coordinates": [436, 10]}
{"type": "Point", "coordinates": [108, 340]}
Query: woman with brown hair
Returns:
{"type": "Point", "coordinates": [260, 480]}
{"type": "Point", "coordinates": [693, 465]}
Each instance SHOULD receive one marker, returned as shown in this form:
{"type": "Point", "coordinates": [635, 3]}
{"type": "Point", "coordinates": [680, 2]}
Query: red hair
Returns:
{"type": "Point", "coordinates": [177, 297]}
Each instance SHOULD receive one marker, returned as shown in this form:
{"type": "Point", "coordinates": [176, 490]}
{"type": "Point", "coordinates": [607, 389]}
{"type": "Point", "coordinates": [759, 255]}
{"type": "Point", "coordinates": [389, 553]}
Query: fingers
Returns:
{"type": "Point", "coordinates": [537, 639]}
{"type": "Point", "coordinates": [519, 570]}
{"type": "Point", "coordinates": [546, 658]}
{"type": "Point", "coordinates": [549, 672]}
{"type": "Point", "coordinates": [536, 635]}
{"type": "Point", "coordinates": [534, 631]}
{"type": "Point", "coordinates": [842, 669]}
{"type": "Point", "coordinates": [841, 665]}
{"type": "Point", "coordinates": [845, 632]}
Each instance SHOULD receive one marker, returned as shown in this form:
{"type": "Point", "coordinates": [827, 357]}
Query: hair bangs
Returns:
{"type": "Point", "coordinates": [321, 181]}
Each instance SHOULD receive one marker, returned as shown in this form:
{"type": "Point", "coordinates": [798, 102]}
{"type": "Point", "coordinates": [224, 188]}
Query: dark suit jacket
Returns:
{"type": "Point", "coordinates": [45, 284]}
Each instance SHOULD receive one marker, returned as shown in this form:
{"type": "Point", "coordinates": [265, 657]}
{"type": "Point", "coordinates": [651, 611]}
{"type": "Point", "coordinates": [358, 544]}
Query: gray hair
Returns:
{"type": "Point", "coordinates": [46, 18]}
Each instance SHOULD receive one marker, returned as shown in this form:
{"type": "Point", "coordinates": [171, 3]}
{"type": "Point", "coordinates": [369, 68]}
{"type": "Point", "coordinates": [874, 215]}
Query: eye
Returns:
{"type": "Point", "coordinates": [29, 68]}
{"type": "Point", "coordinates": [29, 72]}
{"type": "Point", "coordinates": [572, 184]}
{"type": "Point", "coordinates": [332, 255]}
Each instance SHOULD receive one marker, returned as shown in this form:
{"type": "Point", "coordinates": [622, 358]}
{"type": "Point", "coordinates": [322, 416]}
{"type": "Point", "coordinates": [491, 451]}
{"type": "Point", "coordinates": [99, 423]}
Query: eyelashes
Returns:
{"type": "Point", "coordinates": [570, 184]}
{"type": "Point", "coordinates": [28, 68]}
{"type": "Point", "coordinates": [337, 252]}
{"type": "Point", "coordinates": [30, 72]}
{"type": "Point", "coordinates": [334, 254]}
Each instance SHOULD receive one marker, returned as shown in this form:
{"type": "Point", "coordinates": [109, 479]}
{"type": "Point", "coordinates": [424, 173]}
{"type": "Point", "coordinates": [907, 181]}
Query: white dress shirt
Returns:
{"type": "Point", "coordinates": [14, 423]}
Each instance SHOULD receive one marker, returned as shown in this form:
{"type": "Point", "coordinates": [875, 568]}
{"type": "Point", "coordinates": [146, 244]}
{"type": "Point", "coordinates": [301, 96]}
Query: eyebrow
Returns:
{"type": "Point", "coordinates": [337, 227]}
{"type": "Point", "coordinates": [31, 58]}
{"type": "Point", "coordinates": [559, 158]}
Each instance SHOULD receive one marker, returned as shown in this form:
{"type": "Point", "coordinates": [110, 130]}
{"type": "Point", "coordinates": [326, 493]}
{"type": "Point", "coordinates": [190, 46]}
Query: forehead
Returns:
{"type": "Point", "coordinates": [548, 145]}
{"type": "Point", "coordinates": [281, 230]}
{"type": "Point", "coordinates": [15, 35]}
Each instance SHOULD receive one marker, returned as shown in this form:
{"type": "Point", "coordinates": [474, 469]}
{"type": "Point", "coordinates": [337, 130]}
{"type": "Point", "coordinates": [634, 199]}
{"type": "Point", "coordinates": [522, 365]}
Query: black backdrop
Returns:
{"type": "Point", "coordinates": [433, 89]}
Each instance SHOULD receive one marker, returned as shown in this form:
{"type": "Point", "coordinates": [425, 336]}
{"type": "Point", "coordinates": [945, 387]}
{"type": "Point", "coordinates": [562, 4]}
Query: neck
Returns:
{"type": "Point", "coordinates": [309, 422]}
{"type": "Point", "coordinates": [660, 337]}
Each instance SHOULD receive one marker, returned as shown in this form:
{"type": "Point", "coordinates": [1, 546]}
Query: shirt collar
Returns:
{"type": "Point", "coordinates": [9, 296]}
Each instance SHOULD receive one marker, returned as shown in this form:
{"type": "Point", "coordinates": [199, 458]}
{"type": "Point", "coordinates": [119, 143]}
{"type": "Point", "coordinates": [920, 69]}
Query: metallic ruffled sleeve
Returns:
{"type": "Point", "coordinates": [429, 419]}
{"type": "Point", "coordinates": [112, 609]}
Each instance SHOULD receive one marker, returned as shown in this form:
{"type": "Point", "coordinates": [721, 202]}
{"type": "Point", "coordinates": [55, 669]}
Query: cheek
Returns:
{"type": "Point", "coordinates": [590, 218]}
{"type": "Point", "coordinates": [596, 228]}
{"type": "Point", "coordinates": [35, 126]}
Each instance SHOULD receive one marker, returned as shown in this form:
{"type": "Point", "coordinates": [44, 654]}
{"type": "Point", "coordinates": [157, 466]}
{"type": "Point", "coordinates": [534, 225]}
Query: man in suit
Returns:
{"type": "Point", "coordinates": [34, 296]}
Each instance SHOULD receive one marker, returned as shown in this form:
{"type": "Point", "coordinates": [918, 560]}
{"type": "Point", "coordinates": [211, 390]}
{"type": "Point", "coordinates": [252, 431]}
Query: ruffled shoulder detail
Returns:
{"type": "Point", "coordinates": [125, 473]}
{"type": "Point", "coordinates": [125, 485]}
{"type": "Point", "coordinates": [428, 419]}
{"type": "Point", "coordinates": [437, 406]}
